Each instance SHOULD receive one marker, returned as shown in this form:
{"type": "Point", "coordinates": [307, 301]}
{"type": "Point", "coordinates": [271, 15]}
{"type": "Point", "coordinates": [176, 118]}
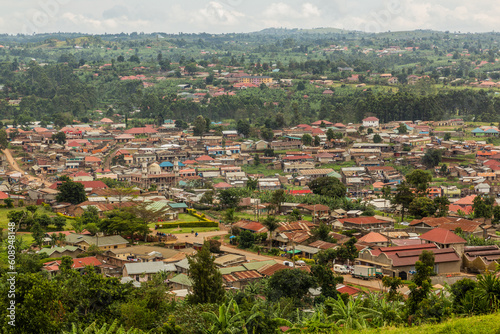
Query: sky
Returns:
{"type": "Point", "coordinates": [228, 16]}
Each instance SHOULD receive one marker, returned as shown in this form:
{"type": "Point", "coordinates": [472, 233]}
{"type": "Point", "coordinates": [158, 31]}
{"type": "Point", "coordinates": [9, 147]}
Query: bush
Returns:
{"type": "Point", "coordinates": [188, 224]}
{"type": "Point", "coordinates": [274, 252]}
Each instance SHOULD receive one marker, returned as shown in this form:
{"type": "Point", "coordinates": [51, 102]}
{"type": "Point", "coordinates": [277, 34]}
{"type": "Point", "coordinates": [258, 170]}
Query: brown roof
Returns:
{"type": "Point", "coordinates": [409, 258]}
{"type": "Point", "coordinates": [322, 244]}
{"type": "Point", "coordinates": [241, 276]}
{"type": "Point", "coordinates": [430, 221]}
{"type": "Point", "coordinates": [270, 270]}
{"type": "Point", "coordinates": [362, 220]}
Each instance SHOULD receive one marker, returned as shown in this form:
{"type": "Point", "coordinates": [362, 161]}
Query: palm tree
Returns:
{"type": "Point", "coordinates": [53, 239]}
{"type": "Point", "coordinates": [61, 238]}
{"type": "Point", "coordinates": [272, 224]}
{"type": "Point", "coordinates": [261, 315]}
{"type": "Point", "coordinates": [350, 315]}
{"type": "Point", "coordinates": [489, 286]}
{"type": "Point", "coordinates": [229, 319]}
{"type": "Point", "coordinates": [390, 311]}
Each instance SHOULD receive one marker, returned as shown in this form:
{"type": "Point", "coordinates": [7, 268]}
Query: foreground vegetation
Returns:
{"type": "Point", "coordinates": [70, 302]}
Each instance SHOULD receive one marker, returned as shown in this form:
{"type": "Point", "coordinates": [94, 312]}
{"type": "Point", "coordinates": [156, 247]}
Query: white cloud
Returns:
{"type": "Point", "coordinates": [214, 13]}
{"type": "Point", "coordinates": [216, 16]}
{"type": "Point", "coordinates": [281, 10]}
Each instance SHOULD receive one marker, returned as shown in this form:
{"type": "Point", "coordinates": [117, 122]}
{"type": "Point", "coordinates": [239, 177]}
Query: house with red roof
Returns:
{"type": "Point", "coordinates": [341, 288]}
{"type": "Point", "coordinates": [79, 264]}
{"type": "Point", "coordinates": [141, 131]}
{"type": "Point", "coordinates": [3, 196]}
{"type": "Point", "coordinates": [222, 185]}
{"type": "Point", "coordinates": [318, 123]}
{"type": "Point", "coordinates": [371, 122]}
{"type": "Point", "coordinates": [444, 238]}
{"type": "Point", "coordinates": [375, 239]}
{"type": "Point", "coordinates": [106, 121]}
{"type": "Point", "coordinates": [248, 225]}
{"type": "Point", "coordinates": [91, 161]}
{"type": "Point", "coordinates": [205, 158]}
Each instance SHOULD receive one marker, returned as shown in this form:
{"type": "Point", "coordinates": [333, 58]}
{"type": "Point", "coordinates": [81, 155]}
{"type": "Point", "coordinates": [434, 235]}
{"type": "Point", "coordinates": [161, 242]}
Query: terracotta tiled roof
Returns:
{"type": "Point", "coordinates": [373, 237]}
{"type": "Point", "coordinates": [442, 236]}
{"type": "Point", "coordinates": [468, 200]}
{"type": "Point", "coordinates": [78, 263]}
{"type": "Point", "coordinates": [347, 289]}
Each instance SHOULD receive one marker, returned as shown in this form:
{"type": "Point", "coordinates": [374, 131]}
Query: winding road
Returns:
{"type": "Point", "coordinates": [13, 164]}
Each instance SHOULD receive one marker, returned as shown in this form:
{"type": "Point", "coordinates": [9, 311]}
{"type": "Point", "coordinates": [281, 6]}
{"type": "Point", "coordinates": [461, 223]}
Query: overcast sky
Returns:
{"type": "Point", "coordinates": [226, 16]}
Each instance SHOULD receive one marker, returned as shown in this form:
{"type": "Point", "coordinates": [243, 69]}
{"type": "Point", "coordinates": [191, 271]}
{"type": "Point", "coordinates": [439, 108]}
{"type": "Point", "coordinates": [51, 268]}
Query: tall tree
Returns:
{"type": "Point", "coordinates": [207, 279]}
{"type": "Point", "coordinates": [72, 192]}
{"type": "Point", "coordinates": [419, 179]}
{"type": "Point", "coordinates": [272, 224]}
{"type": "Point", "coordinates": [199, 126]}
{"type": "Point", "coordinates": [421, 281]}
{"type": "Point", "coordinates": [328, 186]}
{"type": "Point", "coordinates": [59, 138]}
{"type": "Point", "coordinates": [277, 198]}
{"type": "Point", "coordinates": [307, 139]}
{"type": "Point", "coordinates": [243, 127]}
{"type": "Point", "coordinates": [432, 158]}
{"type": "Point", "coordinates": [4, 142]}
{"type": "Point", "coordinates": [404, 196]}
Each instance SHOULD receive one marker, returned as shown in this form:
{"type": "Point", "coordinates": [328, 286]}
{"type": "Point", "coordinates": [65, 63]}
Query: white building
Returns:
{"type": "Point", "coordinates": [371, 122]}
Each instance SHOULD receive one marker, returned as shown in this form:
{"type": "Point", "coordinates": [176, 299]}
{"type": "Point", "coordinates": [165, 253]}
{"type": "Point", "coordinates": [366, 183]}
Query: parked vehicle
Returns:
{"type": "Point", "coordinates": [341, 269]}
{"type": "Point", "coordinates": [364, 272]}
{"type": "Point", "coordinates": [288, 263]}
{"type": "Point", "coordinates": [379, 273]}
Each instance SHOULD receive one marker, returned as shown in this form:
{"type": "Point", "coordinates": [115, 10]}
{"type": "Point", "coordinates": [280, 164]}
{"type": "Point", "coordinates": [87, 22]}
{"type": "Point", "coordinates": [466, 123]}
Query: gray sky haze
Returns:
{"type": "Point", "coordinates": [227, 16]}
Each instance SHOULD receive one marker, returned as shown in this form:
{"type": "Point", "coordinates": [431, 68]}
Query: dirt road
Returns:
{"type": "Point", "coordinates": [13, 164]}
{"type": "Point", "coordinates": [225, 247]}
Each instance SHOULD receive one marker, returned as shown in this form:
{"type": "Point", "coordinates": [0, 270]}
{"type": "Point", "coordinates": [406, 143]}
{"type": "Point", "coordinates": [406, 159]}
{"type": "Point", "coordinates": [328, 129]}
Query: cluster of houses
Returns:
{"type": "Point", "coordinates": [167, 161]}
{"type": "Point", "coordinates": [392, 251]}
{"type": "Point", "coordinates": [171, 169]}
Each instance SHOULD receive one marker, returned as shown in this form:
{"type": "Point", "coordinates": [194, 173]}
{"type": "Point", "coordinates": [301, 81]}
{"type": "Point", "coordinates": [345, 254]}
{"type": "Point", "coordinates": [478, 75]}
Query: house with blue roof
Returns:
{"type": "Point", "coordinates": [168, 166]}
{"type": "Point", "coordinates": [491, 132]}
{"type": "Point", "coordinates": [478, 132]}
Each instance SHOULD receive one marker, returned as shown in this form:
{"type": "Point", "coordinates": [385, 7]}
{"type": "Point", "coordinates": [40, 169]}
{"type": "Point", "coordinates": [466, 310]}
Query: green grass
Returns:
{"type": "Point", "coordinates": [261, 169]}
{"type": "Point", "coordinates": [188, 230]}
{"type": "Point", "coordinates": [338, 166]}
{"type": "Point", "coordinates": [470, 325]}
{"type": "Point", "coordinates": [184, 217]}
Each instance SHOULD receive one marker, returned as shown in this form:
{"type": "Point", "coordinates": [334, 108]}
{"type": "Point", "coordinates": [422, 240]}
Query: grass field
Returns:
{"type": "Point", "coordinates": [484, 324]}
{"type": "Point", "coordinates": [261, 169]}
{"type": "Point", "coordinates": [187, 230]}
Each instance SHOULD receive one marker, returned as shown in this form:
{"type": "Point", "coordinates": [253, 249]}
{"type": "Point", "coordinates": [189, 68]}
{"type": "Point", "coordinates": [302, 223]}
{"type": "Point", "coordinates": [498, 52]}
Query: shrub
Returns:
{"type": "Point", "coordinates": [274, 252]}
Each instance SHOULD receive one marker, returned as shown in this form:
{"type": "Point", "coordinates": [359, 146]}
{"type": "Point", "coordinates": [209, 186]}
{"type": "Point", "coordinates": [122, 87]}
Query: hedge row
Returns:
{"type": "Point", "coordinates": [188, 224]}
